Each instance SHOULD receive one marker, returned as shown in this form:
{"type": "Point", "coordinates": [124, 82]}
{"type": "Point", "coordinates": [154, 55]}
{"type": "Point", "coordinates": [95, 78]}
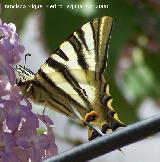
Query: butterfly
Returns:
{"type": "Point", "coordinates": [72, 82]}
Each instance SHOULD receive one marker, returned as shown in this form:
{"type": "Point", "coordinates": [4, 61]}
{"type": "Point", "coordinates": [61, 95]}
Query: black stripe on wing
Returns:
{"type": "Point", "coordinates": [59, 90]}
{"type": "Point", "coordinates": [54, 99]}
{"type": "Point", "coordinates": [78, 49]}
{"type": "Point", "coordinates": [81, 34]}
{"type": "Point", "coordinates": [70, 78]}
{"type": "Point", "coordinates": [95, 36]}
{"type": "Point", "coordinates": [60, 53]}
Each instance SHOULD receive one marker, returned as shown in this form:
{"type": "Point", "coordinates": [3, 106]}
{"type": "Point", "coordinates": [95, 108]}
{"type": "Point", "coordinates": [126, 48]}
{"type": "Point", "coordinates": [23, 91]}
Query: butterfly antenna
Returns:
{"type": "Point", "coordinates": [28, 54]}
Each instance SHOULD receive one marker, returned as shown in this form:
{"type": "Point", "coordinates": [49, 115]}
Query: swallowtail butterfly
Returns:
{"type": "Point", "coordinates": [71, 80]}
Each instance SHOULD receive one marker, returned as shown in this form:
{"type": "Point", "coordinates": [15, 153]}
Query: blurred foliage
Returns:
{"type": "Point", "coordinates": [132, 19]}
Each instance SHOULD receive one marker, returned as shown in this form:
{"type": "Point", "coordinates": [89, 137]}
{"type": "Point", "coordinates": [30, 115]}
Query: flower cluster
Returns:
{"type": "Point", "coordinates": [20, 140]}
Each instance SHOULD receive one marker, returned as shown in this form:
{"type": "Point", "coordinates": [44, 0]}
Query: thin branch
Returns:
{"type": "Point", "coordinates": [108, 143]}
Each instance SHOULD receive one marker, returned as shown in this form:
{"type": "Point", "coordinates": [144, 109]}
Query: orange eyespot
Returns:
{"type": "Point", "coordinates": [91, 116]}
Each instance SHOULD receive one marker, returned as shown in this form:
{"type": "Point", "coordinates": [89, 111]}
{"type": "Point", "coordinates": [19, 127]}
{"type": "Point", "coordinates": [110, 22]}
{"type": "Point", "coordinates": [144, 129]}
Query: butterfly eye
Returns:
{"type": "Point", "coordinates": [19, 82]}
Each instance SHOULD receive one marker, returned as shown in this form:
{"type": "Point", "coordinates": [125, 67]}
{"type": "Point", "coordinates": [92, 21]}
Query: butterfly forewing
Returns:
{"type": "Point", "coordinates": [72, 77]}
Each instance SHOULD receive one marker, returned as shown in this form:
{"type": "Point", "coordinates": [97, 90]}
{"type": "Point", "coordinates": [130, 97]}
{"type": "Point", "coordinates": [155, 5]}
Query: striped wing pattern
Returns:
{"type": "Point", "coordinates": [23, 72]}
{"type": "Point", "coordinates": [73, 73]}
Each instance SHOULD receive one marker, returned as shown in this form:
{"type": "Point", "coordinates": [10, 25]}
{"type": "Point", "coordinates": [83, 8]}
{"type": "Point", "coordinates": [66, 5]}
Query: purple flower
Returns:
{"type": "Point", "coordinates": [10, 52]}
{"type": "Point", "coordinates": [46, 120]}
{"type": "Point", "coordinates": [33, 143]}
{"type": "Point", "coordinates": [7, 145]}
{"type": "Point", "coordinates": [2, 118]}
{"type": "Point", "coordinates": [19, 140]}
{"type": "Point", "coordinates": [52, 149]}
{"type": "Point", "coordinates": [10, 49]}
{"type": "Point", "coordinates": [31, 120]}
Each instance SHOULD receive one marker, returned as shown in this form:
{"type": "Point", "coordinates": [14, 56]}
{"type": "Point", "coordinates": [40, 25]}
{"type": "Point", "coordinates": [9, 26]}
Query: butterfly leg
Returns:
{"type": "Point", "coordinates": [44, 107]}
{"type": "Point", "coordinates": [29, 87]}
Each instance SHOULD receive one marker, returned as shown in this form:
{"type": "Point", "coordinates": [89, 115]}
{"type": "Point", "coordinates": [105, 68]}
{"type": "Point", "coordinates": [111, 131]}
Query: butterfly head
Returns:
{"type": "Point", "coordinates": [23, 76]}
